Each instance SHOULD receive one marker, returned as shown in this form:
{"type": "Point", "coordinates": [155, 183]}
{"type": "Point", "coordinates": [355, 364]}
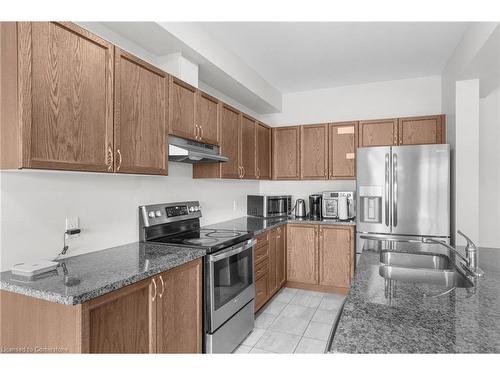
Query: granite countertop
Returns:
{"type": "Point", "coordinates": [257, 225]}
{"type": "Point", "coordinates": [100, 272]}
{"type": "Point", "coordinates": [462, 321]}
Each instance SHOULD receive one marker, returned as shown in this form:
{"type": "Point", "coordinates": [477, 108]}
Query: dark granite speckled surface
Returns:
{"type": "Point", "coordinates": [101, 272]}
{"type": "Point", "coordinates": [258, 225]}
{"type": "Point", "coordinates": [463, 321]}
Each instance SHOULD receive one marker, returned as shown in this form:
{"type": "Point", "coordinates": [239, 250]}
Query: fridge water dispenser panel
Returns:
{"type": "Point", "coordinates": [371, 204]}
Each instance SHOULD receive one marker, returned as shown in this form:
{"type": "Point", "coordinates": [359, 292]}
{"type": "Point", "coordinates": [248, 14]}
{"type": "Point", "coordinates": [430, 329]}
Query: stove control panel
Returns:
{"type": "Point", "coordinates": [168, 212]}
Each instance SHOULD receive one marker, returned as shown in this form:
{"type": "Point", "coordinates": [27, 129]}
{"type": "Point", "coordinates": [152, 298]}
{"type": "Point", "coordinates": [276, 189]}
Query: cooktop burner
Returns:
{"type": "Point", "coordinates": [209, 239]}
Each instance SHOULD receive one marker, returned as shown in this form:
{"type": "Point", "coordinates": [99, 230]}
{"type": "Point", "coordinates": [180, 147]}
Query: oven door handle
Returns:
{"type": "Point", "coordinates": [232, 251]}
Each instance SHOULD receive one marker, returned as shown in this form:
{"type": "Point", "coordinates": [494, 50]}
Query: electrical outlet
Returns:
{"type": "Point", "coordinates": [73, 223]}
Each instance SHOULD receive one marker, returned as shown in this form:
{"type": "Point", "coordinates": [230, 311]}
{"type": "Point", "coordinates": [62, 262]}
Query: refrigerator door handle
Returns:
{"type": "Point", "coordinates": [395, 190]}
{"type": "Point", "coordinates": [386, 190]}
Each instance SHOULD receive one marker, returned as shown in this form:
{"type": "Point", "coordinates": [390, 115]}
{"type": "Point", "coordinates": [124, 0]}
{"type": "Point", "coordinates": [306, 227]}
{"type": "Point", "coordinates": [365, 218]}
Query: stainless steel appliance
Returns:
{"type": "Point", "coordinates": [228, 278]}
{"type": "Point", "coordinates": [300, 208]}
{"type": "Point", "coordinates": [269, 205]}
{"type": "Point", "coordinates": [315, 207]}
{"type": "Point", "coordinates": [402, 192]}
{"type": "Point", "coordinates": [336, 202]}
{"type": "Point", "coordinates": [187, 151]}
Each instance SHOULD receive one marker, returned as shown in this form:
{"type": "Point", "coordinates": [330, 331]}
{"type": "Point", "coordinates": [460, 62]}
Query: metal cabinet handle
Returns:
{"type": "Point", "coordinates": [109, 159]}
{"type": "Point", "coordinates": [119, 154]}
{"type": "Point", "coordinates": [386, 190]}
{"type": "Point", "coordinates": [154, 284]}
{"type": "Point", "coordinates": [395, 190]}
{"type": "Point", "coordinates": [162, 287]}
{"type": "Point", "coordinates": [242, 171]}
{"type": "Point", "coordinates": [201, 131]}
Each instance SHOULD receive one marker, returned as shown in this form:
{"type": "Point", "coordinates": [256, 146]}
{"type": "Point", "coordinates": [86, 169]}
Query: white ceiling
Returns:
{"type": "Point", "coordinates": [299, 56]}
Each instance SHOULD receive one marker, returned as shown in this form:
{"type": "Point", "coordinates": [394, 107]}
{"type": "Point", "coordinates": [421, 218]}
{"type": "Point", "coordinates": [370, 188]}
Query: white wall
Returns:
{"type": "Point", "coordinates": [34, 205]}
{"type": "Point", "coordinates": [407, 97]}
{"type": "Point", "coordinates": [489, 170]}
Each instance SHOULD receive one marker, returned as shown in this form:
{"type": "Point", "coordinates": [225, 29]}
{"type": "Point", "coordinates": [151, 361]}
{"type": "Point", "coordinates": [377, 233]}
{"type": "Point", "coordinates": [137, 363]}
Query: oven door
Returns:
{"type": "Point", "coordinates": [230, 283]}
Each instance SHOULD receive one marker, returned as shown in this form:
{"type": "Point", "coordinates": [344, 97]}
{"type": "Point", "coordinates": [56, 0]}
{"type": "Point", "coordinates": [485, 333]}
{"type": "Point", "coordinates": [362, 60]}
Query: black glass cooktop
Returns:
{"type": "Point", "coordinates": [210, 240]}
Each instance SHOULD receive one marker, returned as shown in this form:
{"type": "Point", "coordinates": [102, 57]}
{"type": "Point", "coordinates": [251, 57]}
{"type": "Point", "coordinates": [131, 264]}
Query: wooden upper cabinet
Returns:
{"type": "Point", "coordinates": [336, 255]}
{"type": "Point", "coordinates": [123, 321]}
{"type": "Point", "coordinates": [182, 109]}
{"type": "Point", "coordinates": [343, 140]}
{"type": "Point", "coordinates": [229, 141]}
{"type": "Point", "coordinates": [65, 93]}
{"type": "Point", "coordinates": [207, 118]}
{"type": "Point", "coordinates": [421, 130]}
{"type": "Point", "coordinates": [140, 116]}
{"type": "Point", "coordinates": [179, 309]}
{"type": "Point", "coordinates": [302, 254]}
{"type": "Point", "coordinates": [378, 133]}
{"type": "Point", "coordinates": [314, 152]}
{"type": "Point", "coordinates": [247, 145]}
{"type": "Point", "coordinates": [286, 153]}
{"type": "Point", "coordinates": [263, 150]}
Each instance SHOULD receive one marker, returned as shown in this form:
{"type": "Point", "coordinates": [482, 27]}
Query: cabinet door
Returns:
{"type": "Point", "coordinates": [272, 276]}
{"type": "Point", "coordinates": [314, 152]}
{"type": "Point", "coordinates": [421, 130]}
{"type": "Point", "coordinates": [342, 150]}
{"type": "Point", "coordinates": [247, 147]}
{"type": "Point", "coordinates": [260, 292]}
{"type": "Point", "coordinates": [124, 321]}
{"type": "Point", "coordinates": [286, 153]}
{"type": "Point", "coordinates": [263, 148]}
{"type": "Point", "coordinates": [208, 118]}
{"type": "Point", "coordinates": [302, 254]}
{"type": "Point", "coordinates": [378, 133]}
{"type": "Point", "coordinates": [182, 109]}
{"type": "Point", "coordinates": [335, 256]}
{"type": "Point", "coordinates": [140, 116]}
{"type": "Point", "coordinates": [66, 97]}
{"type": "Point", "coordinates": [229, 141]}
{"type": "Point", "coordinates": [179, 309]}
{"type": "Point", "coordinates": [281, 256]}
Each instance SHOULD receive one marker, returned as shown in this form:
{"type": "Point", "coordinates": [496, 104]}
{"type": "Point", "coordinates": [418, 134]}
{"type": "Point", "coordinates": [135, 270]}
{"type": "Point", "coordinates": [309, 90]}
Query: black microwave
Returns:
{"type": "Point", "coordinates": [269, 205]}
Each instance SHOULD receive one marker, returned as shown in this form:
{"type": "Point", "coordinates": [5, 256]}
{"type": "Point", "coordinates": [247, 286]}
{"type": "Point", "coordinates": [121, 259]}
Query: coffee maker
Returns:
{"type": "Point", "coordinates": [315, 203]}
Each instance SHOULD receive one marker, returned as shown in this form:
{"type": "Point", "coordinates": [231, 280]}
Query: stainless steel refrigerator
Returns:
{"type": "Point", "coordinates": [402, 192]}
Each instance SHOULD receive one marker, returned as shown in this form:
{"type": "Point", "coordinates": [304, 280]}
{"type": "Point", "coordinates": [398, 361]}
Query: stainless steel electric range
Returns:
{"type": "Point", "coordinates": [229, 289]}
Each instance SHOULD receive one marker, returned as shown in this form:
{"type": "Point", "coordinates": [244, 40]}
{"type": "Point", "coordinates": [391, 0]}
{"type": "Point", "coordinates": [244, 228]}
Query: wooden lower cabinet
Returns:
{"type": "Point", "coordinates": [161, 314]}
{"type": "Point", "coordinates": [320, 257]}
{"type": "Point", "coordinates": [269, 264]}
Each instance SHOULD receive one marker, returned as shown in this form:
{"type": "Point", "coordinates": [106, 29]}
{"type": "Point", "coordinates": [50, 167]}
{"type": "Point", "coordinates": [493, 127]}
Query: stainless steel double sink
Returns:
{"type": "Point", "coordinates": [435, 269]}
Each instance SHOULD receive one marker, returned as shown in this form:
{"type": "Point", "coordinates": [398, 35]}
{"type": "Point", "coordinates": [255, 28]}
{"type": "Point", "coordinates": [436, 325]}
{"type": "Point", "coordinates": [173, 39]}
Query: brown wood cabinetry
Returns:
{"type": "Point", "coordinates": [320, 257]}
{"type": "Point", "coordinates": [60, 79]}
{"type": "Point", "coordinates": [378, 133]}
{"type": "Point", "coordinates": [314, 152]}
{"type": "Point", "coordinates": [421, 130]}
{"type": "Point", "coordinates": [161, 314]}
{"type": "Point", "coordinates": [343, 140]}
{"type": "Point", "coordinates": [336, 263]}
{"type": "Point", "coordinates": [207, 120]}
{"type": "Point", "coordinates": [286, 153]}
{"type": "Point", "coordinates": [280, 245]}
{"type": "Point", "coordinates": [179, 310]}
{"type": "Point", "coordinates": [140, 116]}
{"type": "Point", "coordinates": [302, 254]}
{"type": "Point", "coordinates": [229, 142]}
{"type": "Point", "coordinates": [248, 148]}
{"type": "Point", "coordinates": [263, 151]}
{"type": "Point", "coordinates": [182, 109]}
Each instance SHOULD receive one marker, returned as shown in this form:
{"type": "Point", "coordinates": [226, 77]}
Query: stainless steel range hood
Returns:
{"type": "Point", "coordinates": [184, 151]}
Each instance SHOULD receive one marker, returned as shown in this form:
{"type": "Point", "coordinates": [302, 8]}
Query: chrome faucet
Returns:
{"type": "Point", "coordinates": [471, 255]}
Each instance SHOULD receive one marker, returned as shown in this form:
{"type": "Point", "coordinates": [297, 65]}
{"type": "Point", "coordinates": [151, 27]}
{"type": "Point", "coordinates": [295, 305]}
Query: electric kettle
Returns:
{"type": "Point", "coordinates": [300, 208]}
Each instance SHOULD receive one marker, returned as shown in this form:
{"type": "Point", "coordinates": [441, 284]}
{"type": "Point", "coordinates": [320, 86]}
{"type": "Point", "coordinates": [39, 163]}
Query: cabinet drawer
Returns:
{"type": "Point", "coordinates": [261, 253]}
{"type": "Point", "coordinates": [260, 292]}
{"type": "Point", "coordinates": [261, 269]}
{"type": "Point", "coordinates": [262, 239]}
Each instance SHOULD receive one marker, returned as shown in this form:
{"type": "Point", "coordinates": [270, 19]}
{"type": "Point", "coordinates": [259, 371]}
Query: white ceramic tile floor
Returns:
{"type": "Point", "coordinates": [294, 321]}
